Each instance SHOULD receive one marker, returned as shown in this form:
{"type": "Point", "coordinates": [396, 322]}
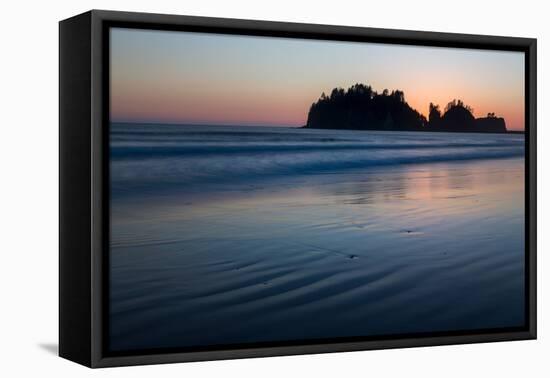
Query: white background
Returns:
{"type": "Point", "coordinates": [29, 187]}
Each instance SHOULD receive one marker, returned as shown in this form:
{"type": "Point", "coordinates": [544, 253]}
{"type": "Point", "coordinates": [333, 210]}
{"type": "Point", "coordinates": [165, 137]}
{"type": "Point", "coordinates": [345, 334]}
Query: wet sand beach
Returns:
{"type": "Point", "coordinates": [293, 250]}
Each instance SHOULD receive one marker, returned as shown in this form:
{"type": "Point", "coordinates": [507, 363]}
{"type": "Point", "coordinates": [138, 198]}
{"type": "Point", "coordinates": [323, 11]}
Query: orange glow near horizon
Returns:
{"type": "Point", "coordinates": [181, 77]}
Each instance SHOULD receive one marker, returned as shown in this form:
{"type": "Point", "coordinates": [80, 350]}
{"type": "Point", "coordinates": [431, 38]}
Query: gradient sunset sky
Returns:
{"type": "Point", "coordinates": [198, 78]}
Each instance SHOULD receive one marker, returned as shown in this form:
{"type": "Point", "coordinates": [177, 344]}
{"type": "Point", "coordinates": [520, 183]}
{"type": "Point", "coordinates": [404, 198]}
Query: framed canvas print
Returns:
{"type": "Point", "coordinates": [234, 188]}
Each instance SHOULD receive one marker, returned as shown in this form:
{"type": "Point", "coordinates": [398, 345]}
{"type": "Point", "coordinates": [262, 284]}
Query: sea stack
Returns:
{"type": "Point", "coordinates": [361, 108]}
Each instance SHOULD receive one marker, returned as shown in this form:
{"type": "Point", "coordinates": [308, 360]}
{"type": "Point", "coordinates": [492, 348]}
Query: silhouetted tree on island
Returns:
{"type": "Point", "coordinates": [434, 116]}
{"type": "Point", "coordinates": [361, 108]}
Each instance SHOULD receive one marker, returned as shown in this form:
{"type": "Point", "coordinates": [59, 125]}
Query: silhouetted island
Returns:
{"type": "Point", "coordinates": [361, 108]}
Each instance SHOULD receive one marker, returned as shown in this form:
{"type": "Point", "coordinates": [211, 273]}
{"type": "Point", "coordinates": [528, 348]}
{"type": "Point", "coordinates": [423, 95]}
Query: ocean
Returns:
{"type": "Point", "coordinates": [225, 235]}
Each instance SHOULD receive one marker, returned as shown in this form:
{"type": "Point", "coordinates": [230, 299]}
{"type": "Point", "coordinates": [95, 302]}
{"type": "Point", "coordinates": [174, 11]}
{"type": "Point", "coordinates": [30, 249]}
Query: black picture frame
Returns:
{"type": "Point", "coordinates": [84, 194]}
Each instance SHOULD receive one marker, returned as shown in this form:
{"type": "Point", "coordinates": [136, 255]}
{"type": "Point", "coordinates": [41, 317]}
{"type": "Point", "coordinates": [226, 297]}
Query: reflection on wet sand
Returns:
{"type": "Point", "coordinates": [389, 250]}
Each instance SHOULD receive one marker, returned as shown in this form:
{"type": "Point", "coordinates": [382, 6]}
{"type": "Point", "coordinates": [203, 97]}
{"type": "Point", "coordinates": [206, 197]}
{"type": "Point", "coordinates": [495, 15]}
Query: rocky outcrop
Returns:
{"type": "Point", "coordinates": [361, 108]}
{"type": "Point", "coordinates": [491, 124]}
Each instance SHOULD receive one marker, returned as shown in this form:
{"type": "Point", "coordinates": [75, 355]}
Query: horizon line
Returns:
{"type": "Point", "coordinates": [282, 126]}
{"type": "Point", "coordinates": [190, 123]}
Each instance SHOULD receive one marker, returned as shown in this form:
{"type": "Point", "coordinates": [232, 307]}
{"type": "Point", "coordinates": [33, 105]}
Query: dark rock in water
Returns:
{"type": "Point", "coordinates": [361, 108]}
{"type": "Point", "coordinates": [411, 232]}
{"type": "Point", "coordinates": [351, 257]}
{"type": "Point", "coordinates": [459, 117]}
{"type": "Point", "coordinates": [491, 124]}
